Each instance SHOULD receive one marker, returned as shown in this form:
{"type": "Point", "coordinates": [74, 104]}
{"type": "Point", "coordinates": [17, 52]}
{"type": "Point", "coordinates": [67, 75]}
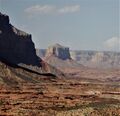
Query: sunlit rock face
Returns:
{"type": "Point", "coordinates": [59, 57]}
{"type": "Point", "coordinates": [58, 51]}
{"type": "Point", "coordinates": [16, 46]}
{"type": "Point", "coordinates": [97, 59]}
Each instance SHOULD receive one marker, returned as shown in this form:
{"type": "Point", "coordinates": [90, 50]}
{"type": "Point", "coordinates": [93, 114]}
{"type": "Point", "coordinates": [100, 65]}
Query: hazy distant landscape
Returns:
{"type": "Point", "coordinates": [61, 77]}
{"type": "Point", "coordinates": [92, 59]}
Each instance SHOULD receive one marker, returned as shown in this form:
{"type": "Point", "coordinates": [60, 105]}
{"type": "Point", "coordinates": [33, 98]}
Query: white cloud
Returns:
{"type": "Point", "coordinates": [69, 9]}
{"type": "Point", "coordinates": [112, 43]}
{"type": "Point", "coordinates": [49, 9]}
{"type": "Point", "coordinates": [40, 9]}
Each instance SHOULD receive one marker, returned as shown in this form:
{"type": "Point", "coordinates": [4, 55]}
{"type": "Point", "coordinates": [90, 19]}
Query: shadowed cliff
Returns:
{"type": "Point", "coordinates": [16, 46]}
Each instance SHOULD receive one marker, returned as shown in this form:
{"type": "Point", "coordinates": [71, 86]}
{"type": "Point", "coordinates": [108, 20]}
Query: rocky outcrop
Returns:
{"type": "Point", "coordinates": [59, 57]}
{"type": "Point", "coordinates": [58, 51]}
{"type": "Point", "coordinates": [16, 46]}
{"type": "Point", "coordinates": [17, 49]}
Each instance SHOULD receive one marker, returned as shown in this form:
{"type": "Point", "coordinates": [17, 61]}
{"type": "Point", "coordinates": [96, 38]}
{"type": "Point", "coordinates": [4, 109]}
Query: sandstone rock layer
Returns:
{"type": "Point", "coordinates": [58, 51]}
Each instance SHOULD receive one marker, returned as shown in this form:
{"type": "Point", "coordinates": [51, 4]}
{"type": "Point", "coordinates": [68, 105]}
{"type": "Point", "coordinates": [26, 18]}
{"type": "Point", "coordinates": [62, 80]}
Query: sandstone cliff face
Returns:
{"type": "Point", "coordinates": [97, 59]}
{"type": "Point", "coordinates": [59, 57]}
{"type": "Point", "coordinates": [92, 59]}
{"type": "Point", "coordinates": [58, 51]}
{"type": "Point", "coordinates": [16, 46]}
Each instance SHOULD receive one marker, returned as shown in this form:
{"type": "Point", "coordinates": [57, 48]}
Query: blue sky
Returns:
{"type": "Point", "coordinates": [78, 24]}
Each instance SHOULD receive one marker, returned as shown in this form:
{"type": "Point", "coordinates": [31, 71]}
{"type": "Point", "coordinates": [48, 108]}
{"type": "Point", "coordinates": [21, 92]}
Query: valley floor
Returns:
{"type": "Point", "coordinates": [24, 93]}
{"type": "Point", "coordinates": [56, 97]}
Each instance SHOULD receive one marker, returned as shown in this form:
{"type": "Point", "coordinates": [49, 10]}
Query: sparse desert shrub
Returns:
{"type": "Point", "coordinates": [1, 102]}
{"type": "Point", "coordinates": [69, 97]}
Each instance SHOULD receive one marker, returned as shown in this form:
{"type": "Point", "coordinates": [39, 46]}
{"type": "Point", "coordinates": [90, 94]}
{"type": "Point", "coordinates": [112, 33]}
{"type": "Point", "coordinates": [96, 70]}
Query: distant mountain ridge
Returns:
{"type": "Point", "coordinates": [92, 59]}
{"type": "Point", "coordinates": [97, 59]}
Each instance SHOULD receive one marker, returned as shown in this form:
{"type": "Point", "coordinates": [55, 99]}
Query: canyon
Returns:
{"type": "Point", "coordinates": [52, 85]}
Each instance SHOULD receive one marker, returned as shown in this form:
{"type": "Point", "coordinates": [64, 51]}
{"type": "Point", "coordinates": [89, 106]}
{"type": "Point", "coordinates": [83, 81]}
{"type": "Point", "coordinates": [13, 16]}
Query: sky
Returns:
{"type": "Point", "coordinates": [78, 24]}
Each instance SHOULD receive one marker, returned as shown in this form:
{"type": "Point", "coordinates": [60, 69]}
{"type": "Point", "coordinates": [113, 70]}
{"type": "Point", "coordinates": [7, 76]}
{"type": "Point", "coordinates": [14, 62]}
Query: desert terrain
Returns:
{"type": "Point", "coordinates": [54, 86]}
{"type": "Point", "coordinates": [27, 93]}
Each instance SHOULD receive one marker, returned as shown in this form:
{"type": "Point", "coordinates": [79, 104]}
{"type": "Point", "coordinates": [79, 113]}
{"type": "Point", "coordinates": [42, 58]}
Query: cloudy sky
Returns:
{"type": "Point", "coordinates": [79, 24]}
